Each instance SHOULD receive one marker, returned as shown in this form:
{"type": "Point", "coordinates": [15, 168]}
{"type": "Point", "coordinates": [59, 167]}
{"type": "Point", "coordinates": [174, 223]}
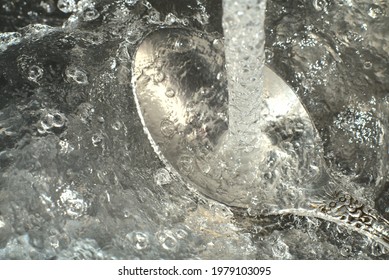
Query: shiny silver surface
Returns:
{"type": "Point", "coordinates": [181, 94]}
{"type": "Point", "coordinates": [178, 78]}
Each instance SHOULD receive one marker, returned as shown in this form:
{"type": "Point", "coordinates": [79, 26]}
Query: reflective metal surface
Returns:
{"type": "Point", "coordinates": [178, 79]}
{"type": "Point", "coordinates": [182, 97]}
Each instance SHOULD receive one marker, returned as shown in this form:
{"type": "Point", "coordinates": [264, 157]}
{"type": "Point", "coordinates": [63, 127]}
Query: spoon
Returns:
{"type": "Point", "coordinates": [182, 99]}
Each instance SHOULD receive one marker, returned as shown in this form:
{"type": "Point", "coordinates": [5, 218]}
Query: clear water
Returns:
{"type": "Point", "coordinates": [80, 180]}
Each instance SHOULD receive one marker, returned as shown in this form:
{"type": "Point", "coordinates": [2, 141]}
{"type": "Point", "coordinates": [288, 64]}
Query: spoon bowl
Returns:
{"type": "Point", "coordinates": [182, 99]}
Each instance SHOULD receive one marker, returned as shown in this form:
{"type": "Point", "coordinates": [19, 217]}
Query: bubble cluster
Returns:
{"type": "Point", "coordinates": [51, 120]}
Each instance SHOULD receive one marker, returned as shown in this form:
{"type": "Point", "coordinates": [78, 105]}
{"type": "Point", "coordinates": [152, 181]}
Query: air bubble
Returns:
{"type": "Point", "coordinates": [117, 125]}
{"type": "Point", "coordinates": [320, 5]}
{"type": "Point", "coordinates": [367, 65]}
{"type": "Point", "coordinates": [280, 249]}
{"type": "Point", "coordinates": [131, 2]}
{"type": "Point", "coordinates": [170, 19]}
{"type": "Point", "coordinates": [183, 44]}
{"type": "Point", "coordinates": [51, 120]}
{"type": "Point", "coordinates": [167, 128]}
{"type": "Point", "coordinates": [346, 251]}
{"type": "Point", "coordinates": [377, 249]}
{"type": "Point", "coordinates": [162, 177]}
{"type": "Point", "coordinates": [375, 12]}
{"type": "Point", "coordinates": [181, 233]}
{"type": "Point", "coordinates": [269, 55]}
{"type": "Point", "coordinates": [159, 77]}
{"type": "Point", "coordinates": [97, 139]}
{"type": "Point", "coordinates": [90, 14]}
{"type": "Point", "coordinates": [167, 240]}
{"type": "Point", "coordinates": [35, 73]}
{"type": "Point", "coordinates": [77, 75]}
{"type": "Point", "coordinates": [203, 165]}
{"type": "Point", "coordinates": [186, 163]}
{"type": "Point", "coordinates": [139, 240]}
{"type": "Point", "coordinates": [72, 203]}
{"type": "Point", "coordinates": [66, 6]}
{"type": "Point", "coordinates": [59, 120]}
{"type": "Point", "coordinates": [170, 93]}
{"type": "Point", "coordinates": [217, 44]}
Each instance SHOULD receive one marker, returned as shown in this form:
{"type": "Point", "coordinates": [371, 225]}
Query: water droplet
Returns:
{"type": "Point", "coordinates": [162, 177]}
{"type": "Point", "coordinates": [167, 240]}
{"type": "Point", "coordinates": [170, 93]}
{"type": "Point", "coordinates": [35, 73]}
{"type": "Point", "coordinates": [66, 6]}
{"type": "Point", "coordinates": [90, 14]}
{"type": "Point", "coordinates": [77, 75]}
{"type": "Point", "coordinates": [159, 77]}
{"type": "Point", "coordinates": [167, 128]}
{"type": "Point", "coordinates": [139, 240]}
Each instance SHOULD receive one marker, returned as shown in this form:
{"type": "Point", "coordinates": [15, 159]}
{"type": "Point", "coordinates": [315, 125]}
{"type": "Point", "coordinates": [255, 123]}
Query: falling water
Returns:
{"type": "Point", "coordinates": [243, 25]}
{"type": "Point", "coordinates": [238, 158]}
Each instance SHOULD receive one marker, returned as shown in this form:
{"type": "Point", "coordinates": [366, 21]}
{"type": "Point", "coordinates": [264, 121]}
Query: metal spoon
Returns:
{"type": "Point", "coordinates": [181, 94]}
